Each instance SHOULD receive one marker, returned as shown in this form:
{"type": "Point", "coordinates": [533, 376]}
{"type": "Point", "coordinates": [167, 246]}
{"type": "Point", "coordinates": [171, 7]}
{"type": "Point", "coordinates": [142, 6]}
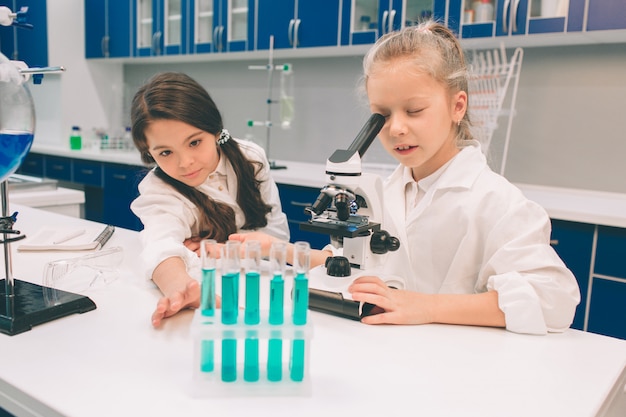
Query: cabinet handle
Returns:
{"type": "Point", "coordinates": [221, 38]}
{"type": "Point", "coordinates": [384, 23]}
{"type": "Point", "coordinates": [514, 11]}
{"type": "Point", "coordinates": [554, 242]}
{"type": "Point", "coordinates": [119, 177]}
{"type": "Point", "coordinates": [58, 167]}
{"type": "Point", "coordinates": [292, 22]}
{"type": "Point", "coordinates": [296, 31]}
{"type": "Point", "coordinates": [507, 4]}
{"type": "Point", "coordinates": [104, 46]}
{"type": "Point", "coordinates": [156, 40]}
{"type": "Point", "coordinates": [392, 16]}
{"type": "Point", "coordinates": [86, 171]}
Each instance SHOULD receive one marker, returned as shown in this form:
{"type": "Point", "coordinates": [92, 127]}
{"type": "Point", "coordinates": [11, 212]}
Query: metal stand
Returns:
{"type": "Point", "coordinates": [270, 68]}
{"type": "Point", "coordinates": [27, 304]}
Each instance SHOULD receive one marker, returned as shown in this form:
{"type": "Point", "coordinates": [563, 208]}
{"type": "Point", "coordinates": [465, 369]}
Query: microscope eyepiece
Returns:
{"type": "Point", "coordinates": [321, 204]}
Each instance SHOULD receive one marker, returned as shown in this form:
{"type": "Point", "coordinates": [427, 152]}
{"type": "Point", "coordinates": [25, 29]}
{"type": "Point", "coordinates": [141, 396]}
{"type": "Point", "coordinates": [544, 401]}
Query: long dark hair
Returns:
{"type": "Point", "coordinates": [176, 96]}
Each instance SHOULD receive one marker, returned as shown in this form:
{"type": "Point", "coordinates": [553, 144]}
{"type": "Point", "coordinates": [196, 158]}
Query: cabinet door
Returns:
{"type": "Point", "coordinates": [606, 14]}
{"type": "Point", "coordinates": [108, 26]}
{"type": "Point", "coordinates": [294, 200]}
{"type": "Point", "coordinates": [573, 242]}
{"type": "Point", "coordinates": [317, 24]}
{"type": "Point", "coordinates": [175, 26]}
{"type": "Point", "coordinates": [120, 189]}
{"type": "Point", "coordinates": [58, 168]}
{"type": "Point", "coordinates": [205, 24]}
{"type": "Point", "coordinates": [28, 45]}
{"type": "Point", "coordinates": [238, 25]}
{"type": "Point", "coordinates": [607, 309]}
{"type": "Point", "coordinates": [33, 164]}
{"type": "Point", "coordinates": [277, 19]}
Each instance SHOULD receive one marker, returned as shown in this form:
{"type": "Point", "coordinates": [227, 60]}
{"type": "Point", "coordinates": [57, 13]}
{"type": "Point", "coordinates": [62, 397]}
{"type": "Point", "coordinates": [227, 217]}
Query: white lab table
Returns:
{"type": "Point", "coordinates": [111, 362]}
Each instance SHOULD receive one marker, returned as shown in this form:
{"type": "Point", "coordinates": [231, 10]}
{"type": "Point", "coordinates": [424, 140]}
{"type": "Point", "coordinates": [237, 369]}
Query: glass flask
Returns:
{"type": "Point", "coordinates": [17, 118]}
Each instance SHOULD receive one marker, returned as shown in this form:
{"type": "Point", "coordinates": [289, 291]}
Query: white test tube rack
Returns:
{"type": "Point", "coordinates": [211, 378]}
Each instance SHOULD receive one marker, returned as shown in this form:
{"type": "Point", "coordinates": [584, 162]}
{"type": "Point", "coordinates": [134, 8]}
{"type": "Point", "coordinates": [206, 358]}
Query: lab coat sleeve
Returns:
{"type": "Point", "coordinates": [536, 291]}
{"type": "Point", "coordinates": [168, 219]}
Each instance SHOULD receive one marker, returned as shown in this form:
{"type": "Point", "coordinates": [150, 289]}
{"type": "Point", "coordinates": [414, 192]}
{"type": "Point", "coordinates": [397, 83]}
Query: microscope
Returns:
{"type": "Point", "coordinates": [350, 209]}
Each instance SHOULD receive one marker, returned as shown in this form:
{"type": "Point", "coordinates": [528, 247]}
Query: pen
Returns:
{"type": "Point", "coordinates": [69, 236]}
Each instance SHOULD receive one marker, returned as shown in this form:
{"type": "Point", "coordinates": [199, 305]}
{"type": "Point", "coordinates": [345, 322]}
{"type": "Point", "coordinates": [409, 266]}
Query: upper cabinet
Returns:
{"type": "Point", "coordinates": [28, 45]}
{"type": "Point", "coordinates": [108, 29]}
{"type": "Point", "coordinates": [298, 23]}
{"type": "Point", "coordinates": [606, 14]}
{"type": "Point", "coordinates": [370, 19]}
{"type": "Point", "coordinates": [161, 27]}
{"type": "Point", "coordinates": [222, 25]}
{"type": "Point", "coordinates": [509, 18]}
{"type": "Point", "coordinates": [145, 28]}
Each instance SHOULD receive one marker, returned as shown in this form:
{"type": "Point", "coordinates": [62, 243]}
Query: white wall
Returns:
{"type": "Point", "coordinates": [568, 130]}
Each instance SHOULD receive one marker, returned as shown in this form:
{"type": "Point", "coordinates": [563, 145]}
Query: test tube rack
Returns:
{"type": "Point", "coordinates": [250, 360]}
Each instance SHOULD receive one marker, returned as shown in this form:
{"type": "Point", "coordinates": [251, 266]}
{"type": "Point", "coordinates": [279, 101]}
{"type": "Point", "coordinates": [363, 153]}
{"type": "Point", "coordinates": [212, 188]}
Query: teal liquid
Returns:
{"type": "Point", "coordinates": [229, 360]}
{"type": "Point", "coordinates": [15, 146]}
{"type": "Point", "coordinates": [277, 295]}
{"type": "Point", "coordinates": [251, 360]}
{"type": "Point", "coordinates": [207, 304]}
{"type": "Point", "coordinates": [300, 299]}
{"type": "Point", "coordinates": [206, 356]}
{"type": "Point", "coordinates": [230, 298]}
{"type": "Point", "coordinates": [296, 366]}
{"type": "Point", "coordinates": [252, 314]}
{"type": "Point", "coordinates": [275, 360]}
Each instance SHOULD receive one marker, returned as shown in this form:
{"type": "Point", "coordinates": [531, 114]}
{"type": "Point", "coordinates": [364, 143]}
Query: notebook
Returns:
{"type": "Point", "coordinates": [67, 239]}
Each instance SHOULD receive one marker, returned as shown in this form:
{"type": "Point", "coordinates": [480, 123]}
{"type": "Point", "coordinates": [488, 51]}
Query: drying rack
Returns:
{"type": "Point", "coordinates": [493, 79]}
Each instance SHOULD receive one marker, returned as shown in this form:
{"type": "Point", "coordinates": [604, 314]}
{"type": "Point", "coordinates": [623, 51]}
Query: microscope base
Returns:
{"type": "Point", "coordinates": [34, 304]}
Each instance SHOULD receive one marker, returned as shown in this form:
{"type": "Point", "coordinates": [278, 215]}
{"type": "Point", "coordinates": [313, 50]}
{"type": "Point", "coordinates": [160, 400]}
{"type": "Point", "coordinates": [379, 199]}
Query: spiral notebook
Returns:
{"type": "Point", "coordinates": [67, 239]}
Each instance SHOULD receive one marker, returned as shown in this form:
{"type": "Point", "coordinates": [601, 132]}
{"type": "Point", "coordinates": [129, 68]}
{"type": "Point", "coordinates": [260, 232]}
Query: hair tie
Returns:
{"type": "Point", "coordinates": [224, 137]}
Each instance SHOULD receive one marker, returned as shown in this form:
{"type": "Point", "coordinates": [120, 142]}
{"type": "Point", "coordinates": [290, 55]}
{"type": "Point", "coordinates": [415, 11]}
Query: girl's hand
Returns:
{"type": "Point", "coordinates": [193, 244]}
{"type": "Point", "coordinates": [265, 239]}
{"type": "Point", "coordinates": [399, 306]}
{"type": "Point", "coordinates": [168, 306]}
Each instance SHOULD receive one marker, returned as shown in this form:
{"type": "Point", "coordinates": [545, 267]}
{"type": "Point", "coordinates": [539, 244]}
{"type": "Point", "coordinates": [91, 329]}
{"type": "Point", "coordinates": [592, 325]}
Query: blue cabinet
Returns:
{"type": "Point", "coordinates": [109, 188]}
{"type": "Point", "coordinates": [515, 18]}
{"type": "Point", "coordinates": [606, 14]}
{"type": "Point", "coordinates": [367, 20]}
{"type": "Point", "coordinates": [120, 189]}
{"type": "Point", "coordinates": [28, 45]}
{"type": "Point", "coordinates": [573, 242]}
{"type": "Point", "coordinates": [298, 23]}
{"type": "Point", "coordinates": [161, 27]}
{"type": "Point", "coordinates": [595, 254]}
{"type": "Point", "coordinates": [108, 28]}
{"type": "Point", "coordinates": [294, 199]}
{"type": "Point", "coordinates": [222, 25]}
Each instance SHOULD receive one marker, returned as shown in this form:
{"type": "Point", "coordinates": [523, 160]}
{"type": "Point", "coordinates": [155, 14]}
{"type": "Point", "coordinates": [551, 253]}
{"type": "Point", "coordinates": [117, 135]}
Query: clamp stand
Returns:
{"type": "Point", "coordinates": [26, 304]}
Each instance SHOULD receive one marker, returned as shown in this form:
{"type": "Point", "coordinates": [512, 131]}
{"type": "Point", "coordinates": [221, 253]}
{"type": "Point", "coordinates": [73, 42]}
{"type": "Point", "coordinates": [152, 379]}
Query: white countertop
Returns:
{"type": "Point", "coordinates": [585, 206]}
{"type": "Point", "coordinates": [111, 362]}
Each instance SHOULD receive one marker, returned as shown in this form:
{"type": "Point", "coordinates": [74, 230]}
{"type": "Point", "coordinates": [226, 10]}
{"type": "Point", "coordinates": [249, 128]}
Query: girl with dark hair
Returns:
{"type": "Point", "coordinates": [205, 184]}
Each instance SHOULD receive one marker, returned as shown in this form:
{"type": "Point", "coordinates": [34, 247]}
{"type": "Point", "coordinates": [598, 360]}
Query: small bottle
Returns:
{"type": "Point", "coordinates": [76, 139]}
{"type": "Point", "coordinates": [127, 139]}
{"type": "Point", "coordinates": [483, 11]}
{"type": "Point", "coordinates": [286, 96]}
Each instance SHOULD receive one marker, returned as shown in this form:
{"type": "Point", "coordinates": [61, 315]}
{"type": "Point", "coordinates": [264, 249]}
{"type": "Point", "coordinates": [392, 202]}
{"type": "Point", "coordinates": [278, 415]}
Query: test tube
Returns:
{"type": "Point", "coordinates": [251, 313]}
{"type": "Point", "coordinates": [208, 255]}
{"type": "Point", "coordinates": [208, 251]}
{"type": "Point", "coordinates": [278, 261]}
{"type": "Point", "coordinates": [231, 266]}
{"type": "Point", "coordinates": [301, 264]}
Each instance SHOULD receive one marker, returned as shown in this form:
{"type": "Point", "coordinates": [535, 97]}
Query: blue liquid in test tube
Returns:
{"type": "Point", "coordinates": [231, 266]}
{"type": "Point", "coordinates": [208, 255]}
{"type": "Point", "coordinates": [252, 314]}
{"type": "Point", "coordinates": [278, 261]}
{"type": "Point", "coordinates": [301, 263]}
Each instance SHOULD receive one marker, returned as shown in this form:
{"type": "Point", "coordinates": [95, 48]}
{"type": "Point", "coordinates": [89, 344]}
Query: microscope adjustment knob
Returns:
{"type": "Point", "coordinates": [382, 242]}
{"type": "Point", "coordinates": [337, 266]}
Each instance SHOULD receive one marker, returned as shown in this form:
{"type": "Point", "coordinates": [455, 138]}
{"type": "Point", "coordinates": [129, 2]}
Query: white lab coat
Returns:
{"type": "Point", "coordinates": [474, 231]}
{"type": "Point", "coordinates": [169, 218]}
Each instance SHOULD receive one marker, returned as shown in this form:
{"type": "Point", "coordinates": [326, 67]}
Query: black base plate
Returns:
{"type": "Point", "coordinates": [34, 304]}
